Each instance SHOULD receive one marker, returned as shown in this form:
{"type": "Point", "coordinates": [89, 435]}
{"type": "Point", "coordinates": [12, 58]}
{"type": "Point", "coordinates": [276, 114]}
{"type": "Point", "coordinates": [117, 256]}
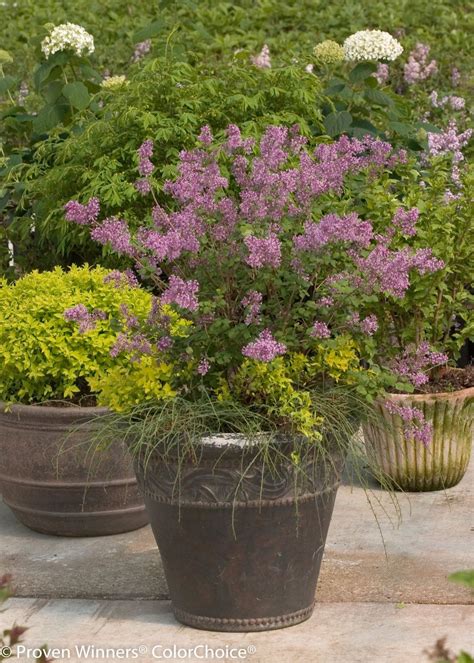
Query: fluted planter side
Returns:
{"type": "Point", "coordinates": [411, 465]}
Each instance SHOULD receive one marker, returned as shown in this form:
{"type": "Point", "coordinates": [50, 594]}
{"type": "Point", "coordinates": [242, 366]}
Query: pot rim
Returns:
{"type": "Point", "coordinates": [41, 412]}
{"type": "Point", "coordinates": [440, 395]}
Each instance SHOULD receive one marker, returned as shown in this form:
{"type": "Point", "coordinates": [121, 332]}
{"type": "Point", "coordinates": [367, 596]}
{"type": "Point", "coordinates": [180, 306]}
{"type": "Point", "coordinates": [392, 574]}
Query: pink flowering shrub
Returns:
{"type": "Point", "coordinates": [239, 246]}
{"type": "Point", "coordinates": [419, 67]}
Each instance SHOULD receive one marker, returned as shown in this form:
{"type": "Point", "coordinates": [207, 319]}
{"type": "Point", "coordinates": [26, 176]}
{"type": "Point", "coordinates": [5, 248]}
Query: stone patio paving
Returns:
{"type": "Point", "coordinates": [380, 600]}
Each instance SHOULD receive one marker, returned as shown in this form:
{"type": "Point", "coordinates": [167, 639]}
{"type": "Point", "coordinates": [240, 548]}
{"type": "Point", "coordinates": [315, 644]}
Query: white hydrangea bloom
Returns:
{"type": "Point", "coordinates": [68, 36]}
{"type": "Point", "coordinates": [371, 45]}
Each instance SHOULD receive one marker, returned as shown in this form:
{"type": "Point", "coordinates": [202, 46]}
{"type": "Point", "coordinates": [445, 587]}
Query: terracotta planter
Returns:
{"type": "Point", "coordinates": [241, 549]}
{"type": "Point", "coordinates": [410, 464]}
{"type": "Point", "coordinates": [52, 483]}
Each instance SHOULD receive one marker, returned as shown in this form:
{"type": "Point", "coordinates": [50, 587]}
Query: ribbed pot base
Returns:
{"type": "Point", "coordinates": [409, 464]}
{"type": "Point", "coordinates": [55, 484]}
{"type": "Point", "coordinates": [243, 625]}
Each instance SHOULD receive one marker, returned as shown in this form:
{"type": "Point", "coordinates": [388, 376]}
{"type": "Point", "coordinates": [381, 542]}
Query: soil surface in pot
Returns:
{"type": "Point", "coordinates": [450, 379]}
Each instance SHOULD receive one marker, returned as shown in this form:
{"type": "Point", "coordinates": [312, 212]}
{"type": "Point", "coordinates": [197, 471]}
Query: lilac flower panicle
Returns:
{"type": "Point", "coordinates": [181, 292]}
{"type": "Point", "coordinates": [418, 68]}
{"type": "Point", "coordinates": [265, 348]}
{"type": "Point", "coordinates": [332, 228]}
{"type": "Point", "coordinates": [368, 325]}
{"type": "Point", "coordinates": [413, 363]}
{"type": "Point", "coordinates": [326, 301]}
{"type": "Point", "coordinates": [252, 302]}
{"type": "Point", "coordinates": [135, 344]}
{"type": "Point", "coordinates": [454, 102]}
{"type": "Point", "coordinates": [263, 59]}
{"type": "Point", "coordinates": [205, 137]}
{"type": "Point", "coordinates": [165, 343]}
{"type": "Point", "coordinates": [450, 197]}
{"type": "Point", "coordinates": [141, 49]}
{"type": "Point", "coordinates": [414, 424]}
{"type": "Point", "coordinates": [406, 220]}
{"type": "Point", "coordinates": [382, 74]}
{"type": "Point", "coordinates": [82, 214]}
{"type": "Point", "coordinates": [143, 186]}
{"type": "Point", "coordinates": [320, 330]}
{"type": "Point", "coordinates": [455, 76]}
{"type": "Point", "coordinates": [450, 142]}
{"type": "Point", "coordinates": [121, 279]}
{"type": "Point", "coordinates": [114, 232]}
{"type": "Point", "coordinates": [263, 252]}
{"type": "Point", "coordinates": [388, 271]}
{"type": "Point", "coordinates": [85, 320]}
{"type": "Point", "coordinates": [203, 367]}
{"type": "Point", "coordinates": [145, 152]}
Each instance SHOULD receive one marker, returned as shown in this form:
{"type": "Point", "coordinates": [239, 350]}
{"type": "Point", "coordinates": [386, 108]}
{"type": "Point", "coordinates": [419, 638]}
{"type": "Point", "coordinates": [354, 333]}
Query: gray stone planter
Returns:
{"type": "Point", "coordinates": [52, 482]}
{"type": "Point", "coordinates": [409, 464]}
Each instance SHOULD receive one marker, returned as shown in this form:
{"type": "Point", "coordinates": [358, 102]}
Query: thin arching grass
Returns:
{"type": "Point", "coordinates": [172, 431]}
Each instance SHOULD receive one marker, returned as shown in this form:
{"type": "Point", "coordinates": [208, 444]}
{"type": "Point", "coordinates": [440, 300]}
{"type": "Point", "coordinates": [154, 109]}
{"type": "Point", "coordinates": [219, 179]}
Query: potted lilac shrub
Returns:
{"type": "Point", "coordinates": [256, 246]}
{"type": "Point", "coordinates": [420, 338]}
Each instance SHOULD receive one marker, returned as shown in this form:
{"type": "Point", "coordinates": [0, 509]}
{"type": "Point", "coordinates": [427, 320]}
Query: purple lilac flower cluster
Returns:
{"type": "Point", "coordinates": [135, 344]}
{"type": "Point", "coordinates": [252, 302]}
{"type": "Point", "coordinates": [80, 314]}
{"type": "Point", "coordinates": [455, 76]}
{"type": "Point", "coordinates": [414, 425]}
{"type": "Point", "coordinates": [181, 292]}
{"type": "Point", "coordinates": [388, 270]}
{"type": "Point", "coordinates": [265, 251]}
{"type": "Point", "coordinates": [145, 152]}
{"type": "Point", "coordinates": [82, 214]}
{"type": "Point", "coordinates": [382, 74]}
{"type": "Point", "coordinates": [265, 348]}
{"type": "Point", "coordinates": [450, 142]}
{"type": "Point", "coordinates": [121, 279]}
{"type": "Point", "coordinates": [406, 220]}
{"type": "Point", "coordinates": [243, 229]}
{"type": "Point", "coordinates": [418, 68]}
{"type": "Point", "coordinates": [367, 325]}
{"type": "Point", "coordinates": [332, 228]}
{"type": "Point", "coordinates": [414, 363]}
{"type": "Point", "coordinates": [115, 233]}
{"type": "Point", "coordinates": [203, 367]}
{"type": "Point", "coordinates": [454, 102]}
{"type": "Point", "coordinates": [262, 60]}
{"type": "Point", "coordinates": [320, 330]}
{"type": "Point", "coordinates": [141, 49]}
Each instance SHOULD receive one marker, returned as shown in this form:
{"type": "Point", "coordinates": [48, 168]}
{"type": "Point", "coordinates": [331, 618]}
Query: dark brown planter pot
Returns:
{"type": "Point", "coordinates": [52, 482]}
{"type": "Point", "coordinates": [241, 549]}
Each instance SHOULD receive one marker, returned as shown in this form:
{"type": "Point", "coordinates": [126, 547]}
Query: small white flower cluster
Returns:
{"type": "Point", "coordinates": [371, 45]}
{"type": "Point", "coordinates": [114, 82]}
{"type": "Point", "coordinates": [68, 36]}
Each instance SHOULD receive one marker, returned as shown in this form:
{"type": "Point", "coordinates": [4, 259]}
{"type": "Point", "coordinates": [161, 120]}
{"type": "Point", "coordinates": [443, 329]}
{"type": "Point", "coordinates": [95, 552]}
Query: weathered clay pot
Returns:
{"type": "Point", "coordinates": [241, 546]}
{"type": "Point", "coordinates": [52, 482]}
{"type": "Point", "coordinates": [411, 465]}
